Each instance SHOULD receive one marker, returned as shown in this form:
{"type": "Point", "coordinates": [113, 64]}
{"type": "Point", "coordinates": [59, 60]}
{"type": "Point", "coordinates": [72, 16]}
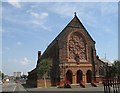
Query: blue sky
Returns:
{"type": "Point", "coordinates": [29, 27]}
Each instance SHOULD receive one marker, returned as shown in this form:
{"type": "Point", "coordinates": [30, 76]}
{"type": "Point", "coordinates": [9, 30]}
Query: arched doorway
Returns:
{"type": "Point", "coordinates": [69, 76]}
{"type": "Point", "coordinates": [79, 76]}
{"type": "Point", "coordinates": [89, 76]}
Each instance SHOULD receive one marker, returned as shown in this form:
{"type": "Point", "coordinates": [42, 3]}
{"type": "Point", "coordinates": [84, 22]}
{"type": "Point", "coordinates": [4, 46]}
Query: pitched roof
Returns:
{"type": "Point", "coordinates": [75, 23]}
{"type": "Point", "coordinates": [106, 61]}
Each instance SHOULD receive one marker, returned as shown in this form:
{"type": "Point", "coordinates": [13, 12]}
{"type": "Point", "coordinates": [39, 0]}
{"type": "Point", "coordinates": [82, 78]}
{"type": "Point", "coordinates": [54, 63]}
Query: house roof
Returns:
{"type": "Point", "coordinates": [106, 61]}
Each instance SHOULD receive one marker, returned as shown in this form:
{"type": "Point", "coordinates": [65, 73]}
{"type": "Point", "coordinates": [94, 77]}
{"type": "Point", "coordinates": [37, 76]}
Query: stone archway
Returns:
{"type": "Point", "coordinates": [89, 76]}
{"type": "Point", "coordinates": [79, 76]}
{"type": "Point", "coordinates": [69, 75]}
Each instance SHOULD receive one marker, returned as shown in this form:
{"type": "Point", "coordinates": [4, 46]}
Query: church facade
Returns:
{"type": "Point", "coordinates": [73, 56]}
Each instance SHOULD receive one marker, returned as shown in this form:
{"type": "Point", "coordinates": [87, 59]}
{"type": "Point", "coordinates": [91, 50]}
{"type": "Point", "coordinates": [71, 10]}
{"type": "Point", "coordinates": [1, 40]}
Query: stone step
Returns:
{"type": "Point", "coordinates": [87, 85]}
{"type": "Point", "coordinates": [99, 84]}
{"type": "Point", "coordinates": [76, 86]}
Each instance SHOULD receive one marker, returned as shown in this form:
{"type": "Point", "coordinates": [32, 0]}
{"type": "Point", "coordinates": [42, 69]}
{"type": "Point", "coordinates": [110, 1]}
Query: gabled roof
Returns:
{"type": "Point", "coordinates": [74, 23]}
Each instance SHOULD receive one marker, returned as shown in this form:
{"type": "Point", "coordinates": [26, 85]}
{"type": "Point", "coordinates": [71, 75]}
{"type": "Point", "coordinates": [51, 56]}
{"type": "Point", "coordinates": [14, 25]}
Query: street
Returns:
{"type": "Point", "coordinates": [17, 87]}
{"type": "Point", "coordinates": [12, 87]}
{"type": "Point", "coordinates": [0, 87]}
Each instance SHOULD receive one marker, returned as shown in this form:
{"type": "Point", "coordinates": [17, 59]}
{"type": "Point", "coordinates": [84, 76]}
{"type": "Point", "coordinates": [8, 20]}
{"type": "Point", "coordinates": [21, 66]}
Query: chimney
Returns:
{"type": "Point", "coordinates": [39, 55]}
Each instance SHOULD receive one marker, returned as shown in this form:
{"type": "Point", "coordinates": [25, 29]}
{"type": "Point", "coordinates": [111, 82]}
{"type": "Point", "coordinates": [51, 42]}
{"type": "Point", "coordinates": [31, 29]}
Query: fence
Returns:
{"type": "Point", "coordinates": [111, 85]}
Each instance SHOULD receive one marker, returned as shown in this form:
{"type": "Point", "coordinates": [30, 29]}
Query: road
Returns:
{"type": "Point", "coordinates": [17, 87]}
{"type": "Point", "coordinates": [0, 87]}
{"type": "Point", "coordinates": [13, 87]}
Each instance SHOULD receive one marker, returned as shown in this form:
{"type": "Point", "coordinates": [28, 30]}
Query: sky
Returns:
{"type": "Point", "coordinates": [29, 27]}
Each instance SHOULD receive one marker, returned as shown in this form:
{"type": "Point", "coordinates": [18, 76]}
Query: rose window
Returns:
{"type": "Point", "coordinates": [77, 47]}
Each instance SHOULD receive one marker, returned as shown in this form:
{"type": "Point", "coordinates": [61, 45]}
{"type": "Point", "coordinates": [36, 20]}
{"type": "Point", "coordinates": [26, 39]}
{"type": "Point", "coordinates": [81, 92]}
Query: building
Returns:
{"type": "Point", "coordinates": [17, 74]}
{"type": "Point", "coordinates": [73, 56]}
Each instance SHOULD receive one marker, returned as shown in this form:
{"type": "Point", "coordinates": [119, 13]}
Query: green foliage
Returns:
{"type": "Point", "coordinates": [43, 67]}
{"type": "Point", "coordinates": [3, 75]}
{"type": "Point", "coordinates": [115, 69]}
{"type": "Point", "coordinates": [24, 76]}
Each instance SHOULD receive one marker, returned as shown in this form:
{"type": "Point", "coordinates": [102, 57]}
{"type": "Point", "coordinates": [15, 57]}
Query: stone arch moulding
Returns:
{"type": "Point", "coordinates": [69, 76]}
{"type": "Point", "coordinates": [77, 47]}
{"type": "Point", "coordinates": [77, 31]}
{"type": "Point", "coordinates": [79, 76]}
{"type": "Point", "coordinates": [89, 76]}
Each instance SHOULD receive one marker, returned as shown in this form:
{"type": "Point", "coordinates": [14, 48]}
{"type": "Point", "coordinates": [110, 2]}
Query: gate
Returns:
{"type": "Point", "coordinates": [111, 85]}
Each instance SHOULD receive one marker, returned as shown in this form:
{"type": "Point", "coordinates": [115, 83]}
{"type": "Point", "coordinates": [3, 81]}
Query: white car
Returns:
{"type": "Point", "coordinates": [7, 80]}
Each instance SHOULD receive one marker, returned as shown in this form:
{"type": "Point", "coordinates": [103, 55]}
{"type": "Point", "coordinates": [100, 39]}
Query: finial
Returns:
{"type": "Point", "coordinates": [75, 13]}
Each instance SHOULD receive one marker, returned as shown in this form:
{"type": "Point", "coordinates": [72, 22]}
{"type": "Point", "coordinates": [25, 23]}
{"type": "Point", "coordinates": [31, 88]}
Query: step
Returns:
{"type": "Point", "coordinates": [76, 86]}
{"type": "Point", "coordinates": [87, 85]}
{"type": "Point", "coordinates": [99, 84]}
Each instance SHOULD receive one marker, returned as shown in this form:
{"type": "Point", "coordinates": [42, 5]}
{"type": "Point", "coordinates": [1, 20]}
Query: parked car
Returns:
{"type": "Point", "coordinates": [7, 80]}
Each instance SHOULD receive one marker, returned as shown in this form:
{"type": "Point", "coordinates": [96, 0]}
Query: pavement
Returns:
{"type": "Point", "coordinates": [97, 89]}
{"type": "Point", "coordinates": [19, 88]}
{"type": "Point", "coordinates": [0, 87]}
{"type": "Point", "coordinates": [13, 87]}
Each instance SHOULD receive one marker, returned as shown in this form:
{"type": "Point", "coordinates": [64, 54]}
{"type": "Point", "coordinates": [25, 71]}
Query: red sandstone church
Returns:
{"type": "Point", "coordinates": [73, 56]}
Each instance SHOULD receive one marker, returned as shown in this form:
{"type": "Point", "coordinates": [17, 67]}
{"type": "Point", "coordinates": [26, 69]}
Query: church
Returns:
{"type": "Point", "coordinates": [73, 56]}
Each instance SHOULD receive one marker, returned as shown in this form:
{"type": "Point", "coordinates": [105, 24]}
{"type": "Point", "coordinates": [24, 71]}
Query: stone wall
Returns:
{"type": "Point", "coordinates": [41, 83]}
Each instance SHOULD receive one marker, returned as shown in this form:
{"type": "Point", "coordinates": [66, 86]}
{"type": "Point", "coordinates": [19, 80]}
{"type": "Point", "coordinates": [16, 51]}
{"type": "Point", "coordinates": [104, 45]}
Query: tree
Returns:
{"type": "Point", "coordinates": [115, 69]}
{"type": "Point", "coordinates": [43, 67]}
{"type": "Point", "coordinates": [24, 76]}
{"type": "Point", "coordinates": [3, 76]}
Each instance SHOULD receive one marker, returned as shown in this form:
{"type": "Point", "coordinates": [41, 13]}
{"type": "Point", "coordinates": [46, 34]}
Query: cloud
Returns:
{"type": "Point", "coordinates": [34, 14]}
{"type": "Point", "coordinates": [39, 19]}
{"type": "Point", "coordinates": [84, 11]}
{"type": "Point", "coordinates": [14, 3]}
{"type": "Point", "coordinates": [38, 15]}
{"type": "Point", "coordinates": [25, 61]}
{"type": "Point", "coordinates": [19, 43]}
{"type": "Point", "coordinates": [63, 9]}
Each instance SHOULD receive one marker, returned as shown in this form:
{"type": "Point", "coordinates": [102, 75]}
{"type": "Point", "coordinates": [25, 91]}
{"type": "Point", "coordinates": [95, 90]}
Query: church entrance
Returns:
{"type": "Point", "coordinates": [69, 75]}
{"type": "Point", "coordinates": [89, 76]}
{"type": "Point", "coordinates": [79, 76]}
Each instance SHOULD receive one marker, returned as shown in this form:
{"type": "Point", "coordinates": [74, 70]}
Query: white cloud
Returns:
{"type": "Point", "coordinates": [63, 9]}
{"type": "Point", "coordinates": [25, 61]}
{"type": "Point", "coordinates": [14, 3]}
{"type": "Point", "coordinates": [38, 15]}
{"type": "Point", "coordinates": [19, 43]}
{"type": "Point", "coordinates": [34, 14]}
{"type": "Point", "coordinates": [39, 19]}
{"type": "Point", "coordinates": [43, 15]}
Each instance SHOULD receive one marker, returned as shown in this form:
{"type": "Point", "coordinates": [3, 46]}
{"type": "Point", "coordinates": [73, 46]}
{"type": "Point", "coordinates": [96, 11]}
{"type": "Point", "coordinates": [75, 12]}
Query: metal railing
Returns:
{"type": "Point", "coordinates": [111, 85]}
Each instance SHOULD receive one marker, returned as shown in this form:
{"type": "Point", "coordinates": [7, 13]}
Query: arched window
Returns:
{"type": "Point", "coordinates": [77, 47]}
